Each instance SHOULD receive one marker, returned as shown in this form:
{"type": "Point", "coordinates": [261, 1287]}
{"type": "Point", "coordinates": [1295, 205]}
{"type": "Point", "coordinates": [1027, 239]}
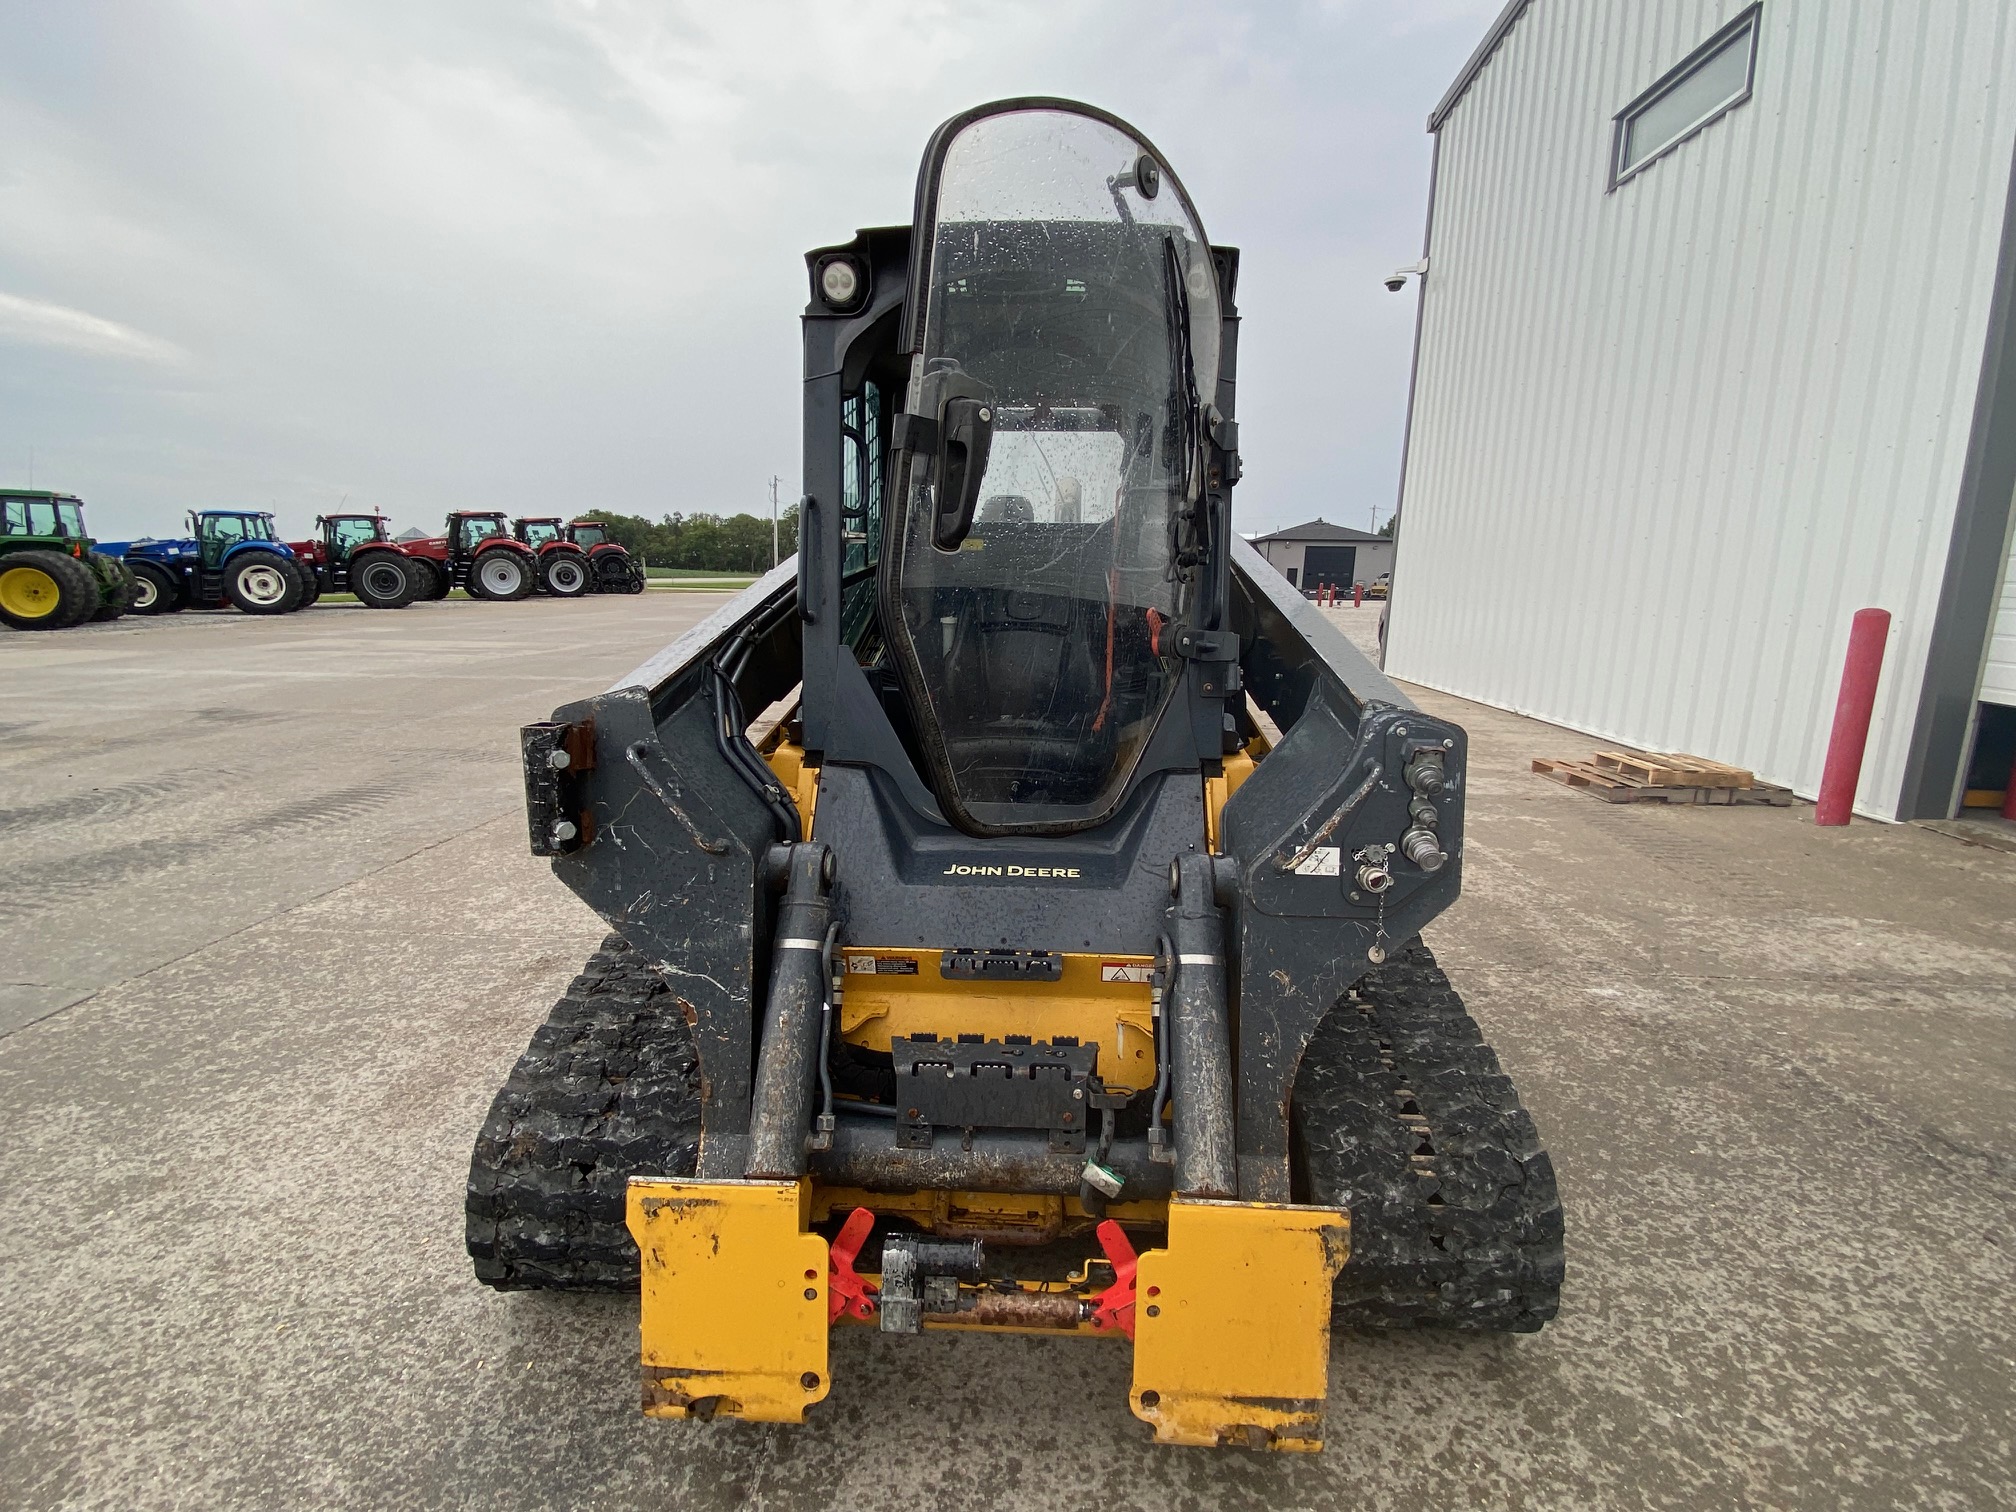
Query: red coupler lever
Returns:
{"type": "Point", "coordinates": [845, 1291]}
{"type": "Point", "coordinates": [1114, 1307]}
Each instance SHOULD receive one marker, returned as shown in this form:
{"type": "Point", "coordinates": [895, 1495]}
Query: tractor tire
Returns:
{"type": "Point", "coordinates": [382, 580]}
{"type": "Point", "coordinates": [116, 587]}
{"type": "Point", "coordinates": [432, 578]}
{"type": "Point", "coordinates": [45, 590]}
{"type": "Point", "coordinates": [564, 576]}
{"type": "Point", "coordinates": [637, 579]}
{"type": "Point", "coordinates": [262, 582]}
{"type": "Point", "coordinates": [500, 576]}
{"type": "Point", "coordinates": [311, 582]}
{"type": "Point", "coordinates": [615, 573]}
{"type": "Point", "coordinates": [1402, 1114]}
{"type": "Point", "coordinates": [609, 1089]}
{"type": "Point", "coordinates": [155, 590]}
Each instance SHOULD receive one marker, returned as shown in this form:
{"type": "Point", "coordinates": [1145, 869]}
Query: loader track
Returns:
{"type": "Point", "coordinates": [610, 1085]}
{"type": "Point", "coordinates": [1403, 1115]}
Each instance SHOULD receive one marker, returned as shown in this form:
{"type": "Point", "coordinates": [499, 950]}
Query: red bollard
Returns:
{"type": "Point", "coordinates": [1852, 712]}
{"type": "Point", "coordinates": [1357, 595]}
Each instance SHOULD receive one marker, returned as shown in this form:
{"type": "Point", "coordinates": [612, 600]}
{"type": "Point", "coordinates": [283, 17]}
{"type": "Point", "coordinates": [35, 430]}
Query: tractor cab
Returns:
{"type": "Point", "coordinates": [219, 532]}
{"type": "Point", "coordinates": [588, 534]}
{"type": "Point", "coordinates": [344, 534]}
{"type": "Point", "coordinates": [55, 517]}
{"type": "Point", "coordinates": [1050, 538]}
{"type": "Point", "coordinates": [541, 531]}
{"type": "Point", "coordinates": [467, 532]}
{"type": "Point", "coordinates": [1020, 456]}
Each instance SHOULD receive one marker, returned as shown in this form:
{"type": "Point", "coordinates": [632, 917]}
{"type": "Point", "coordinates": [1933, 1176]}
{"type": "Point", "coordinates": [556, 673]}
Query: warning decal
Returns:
{"type": "Point", "coordinates": [867, 965]}
{"type": "Point", "coordinates": [1320, 862]}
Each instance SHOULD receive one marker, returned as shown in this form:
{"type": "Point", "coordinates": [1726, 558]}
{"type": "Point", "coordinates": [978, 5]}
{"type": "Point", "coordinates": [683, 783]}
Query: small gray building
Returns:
{"type": "Point", "coordinates": [1322, 555]}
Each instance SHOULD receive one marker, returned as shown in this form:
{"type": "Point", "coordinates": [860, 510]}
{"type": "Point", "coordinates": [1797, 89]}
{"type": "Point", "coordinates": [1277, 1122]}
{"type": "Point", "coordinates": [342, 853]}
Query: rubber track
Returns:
{"type": "Point", "coordinates": [1403, 1115]}
{"type": "Point", "coordinates": [610, 1086]}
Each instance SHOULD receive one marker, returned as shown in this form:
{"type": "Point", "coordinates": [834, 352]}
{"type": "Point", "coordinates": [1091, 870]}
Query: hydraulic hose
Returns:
{"type": "Point", "coordinates": [1158, 1137]}
{"type": "Point", "coordinates": [825, 1126]}
{"type": "Point", "coordinates": [730, 724]}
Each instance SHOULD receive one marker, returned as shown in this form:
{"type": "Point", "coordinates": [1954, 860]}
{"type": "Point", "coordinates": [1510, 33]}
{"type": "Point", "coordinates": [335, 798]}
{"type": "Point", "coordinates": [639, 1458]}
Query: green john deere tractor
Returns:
{"type": "Point", "coordinates": [50, 577]}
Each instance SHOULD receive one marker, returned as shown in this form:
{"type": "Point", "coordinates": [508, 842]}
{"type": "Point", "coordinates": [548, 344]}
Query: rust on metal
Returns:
{"type": "Point", "coordinates": [1025, 1309]}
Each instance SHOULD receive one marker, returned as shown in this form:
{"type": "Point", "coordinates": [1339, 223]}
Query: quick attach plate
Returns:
{"type": "Point", "coordinates": [976, 1083]}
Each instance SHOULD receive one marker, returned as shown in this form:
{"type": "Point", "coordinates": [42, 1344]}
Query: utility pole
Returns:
{"type": "Point", "coordinates": [773, 520]}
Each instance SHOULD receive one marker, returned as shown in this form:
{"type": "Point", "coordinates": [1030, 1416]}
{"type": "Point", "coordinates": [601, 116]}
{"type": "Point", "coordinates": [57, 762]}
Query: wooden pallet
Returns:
{"type": "Point", "coordinates": [1615, 786]}
{"type": "Point", "coordinates": [1663, 769]}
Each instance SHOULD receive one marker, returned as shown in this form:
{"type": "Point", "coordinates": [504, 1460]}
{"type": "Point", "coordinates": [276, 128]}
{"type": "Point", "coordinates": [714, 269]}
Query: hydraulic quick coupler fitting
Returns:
{"type": "Point", "coordinates": [1424, 849]}
{"type": "Point", "coordinates": [1425, 774]}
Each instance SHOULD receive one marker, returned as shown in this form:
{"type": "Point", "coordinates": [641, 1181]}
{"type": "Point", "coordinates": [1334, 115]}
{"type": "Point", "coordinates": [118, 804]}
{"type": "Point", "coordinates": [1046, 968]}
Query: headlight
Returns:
{"type": "Point", "coordinates": [840, 283]}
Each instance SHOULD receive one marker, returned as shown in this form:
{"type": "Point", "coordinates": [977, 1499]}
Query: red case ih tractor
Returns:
{"type": "Point", "coordinates": [614, 569]}
{"type": "Point", "coordinates": [564, 569]}
{"type": "Point", "coordinates": [355, 553]}
{"type": "Point", "coordinates": [478, 554]}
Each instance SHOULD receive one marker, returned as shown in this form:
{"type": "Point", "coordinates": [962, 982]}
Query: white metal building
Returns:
{"type": "Point", "coordinates": [1715, 349]}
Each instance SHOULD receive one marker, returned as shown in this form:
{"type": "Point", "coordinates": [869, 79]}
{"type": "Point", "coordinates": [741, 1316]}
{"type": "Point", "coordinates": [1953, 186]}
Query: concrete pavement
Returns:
{"type": "Point", "coordinates": [275, 940]}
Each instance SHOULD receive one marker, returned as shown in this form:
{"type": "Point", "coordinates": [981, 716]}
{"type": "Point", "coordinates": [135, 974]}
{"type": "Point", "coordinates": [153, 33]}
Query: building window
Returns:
{"type": "Point", "coordinates": [1709, 82]}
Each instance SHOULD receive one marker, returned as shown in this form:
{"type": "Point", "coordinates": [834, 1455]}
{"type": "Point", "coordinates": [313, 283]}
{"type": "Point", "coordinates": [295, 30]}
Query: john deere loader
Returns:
{"type": "Point", "coordinates": [1016, 898]}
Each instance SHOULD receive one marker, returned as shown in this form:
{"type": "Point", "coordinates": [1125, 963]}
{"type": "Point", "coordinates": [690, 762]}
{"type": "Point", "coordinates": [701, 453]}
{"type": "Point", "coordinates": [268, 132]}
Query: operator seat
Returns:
{"type": "Point", "coordinates": [1007, 509]}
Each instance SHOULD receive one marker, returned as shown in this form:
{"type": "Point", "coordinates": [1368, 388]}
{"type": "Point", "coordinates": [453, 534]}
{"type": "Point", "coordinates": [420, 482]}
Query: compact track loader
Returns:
{"type": "Point", "coordinates": [1016, 897]}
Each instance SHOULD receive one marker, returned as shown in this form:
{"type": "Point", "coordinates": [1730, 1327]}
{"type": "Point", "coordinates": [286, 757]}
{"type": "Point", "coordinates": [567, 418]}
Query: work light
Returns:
{"type": "Point", "coordinates": [840, 283]}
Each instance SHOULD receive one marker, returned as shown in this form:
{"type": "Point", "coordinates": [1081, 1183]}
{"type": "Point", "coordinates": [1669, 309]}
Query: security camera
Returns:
{"type": "Point", "coordinates": [1397, 279]}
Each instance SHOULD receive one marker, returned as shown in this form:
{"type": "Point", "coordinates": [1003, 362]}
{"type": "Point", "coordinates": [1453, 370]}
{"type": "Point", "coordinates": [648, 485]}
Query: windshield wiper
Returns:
{"type": "Point", "coordinates": [1178, 305]}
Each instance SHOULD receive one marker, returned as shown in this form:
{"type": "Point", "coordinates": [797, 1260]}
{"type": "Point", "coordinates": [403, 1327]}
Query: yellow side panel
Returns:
{"type": "Point", "coordinates": [734, 1298]}
{"type": "Point", "coordinates": [1218, 790]}
{"type": "Point", "coordinates": [1232, 1324]}
{"type": "Point", "coordinates": [787, 765]}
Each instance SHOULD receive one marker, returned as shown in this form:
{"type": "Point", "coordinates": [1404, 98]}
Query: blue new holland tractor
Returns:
{"type": "Point", "coordinates": [230, 557]}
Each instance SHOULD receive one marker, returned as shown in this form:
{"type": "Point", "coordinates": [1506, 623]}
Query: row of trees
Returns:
{"type": "Point", "coordinates": [704, 542]}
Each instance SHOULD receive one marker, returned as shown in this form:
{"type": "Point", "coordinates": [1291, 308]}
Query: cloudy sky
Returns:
{"type": "Point", "coordinates": [517, 253]}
